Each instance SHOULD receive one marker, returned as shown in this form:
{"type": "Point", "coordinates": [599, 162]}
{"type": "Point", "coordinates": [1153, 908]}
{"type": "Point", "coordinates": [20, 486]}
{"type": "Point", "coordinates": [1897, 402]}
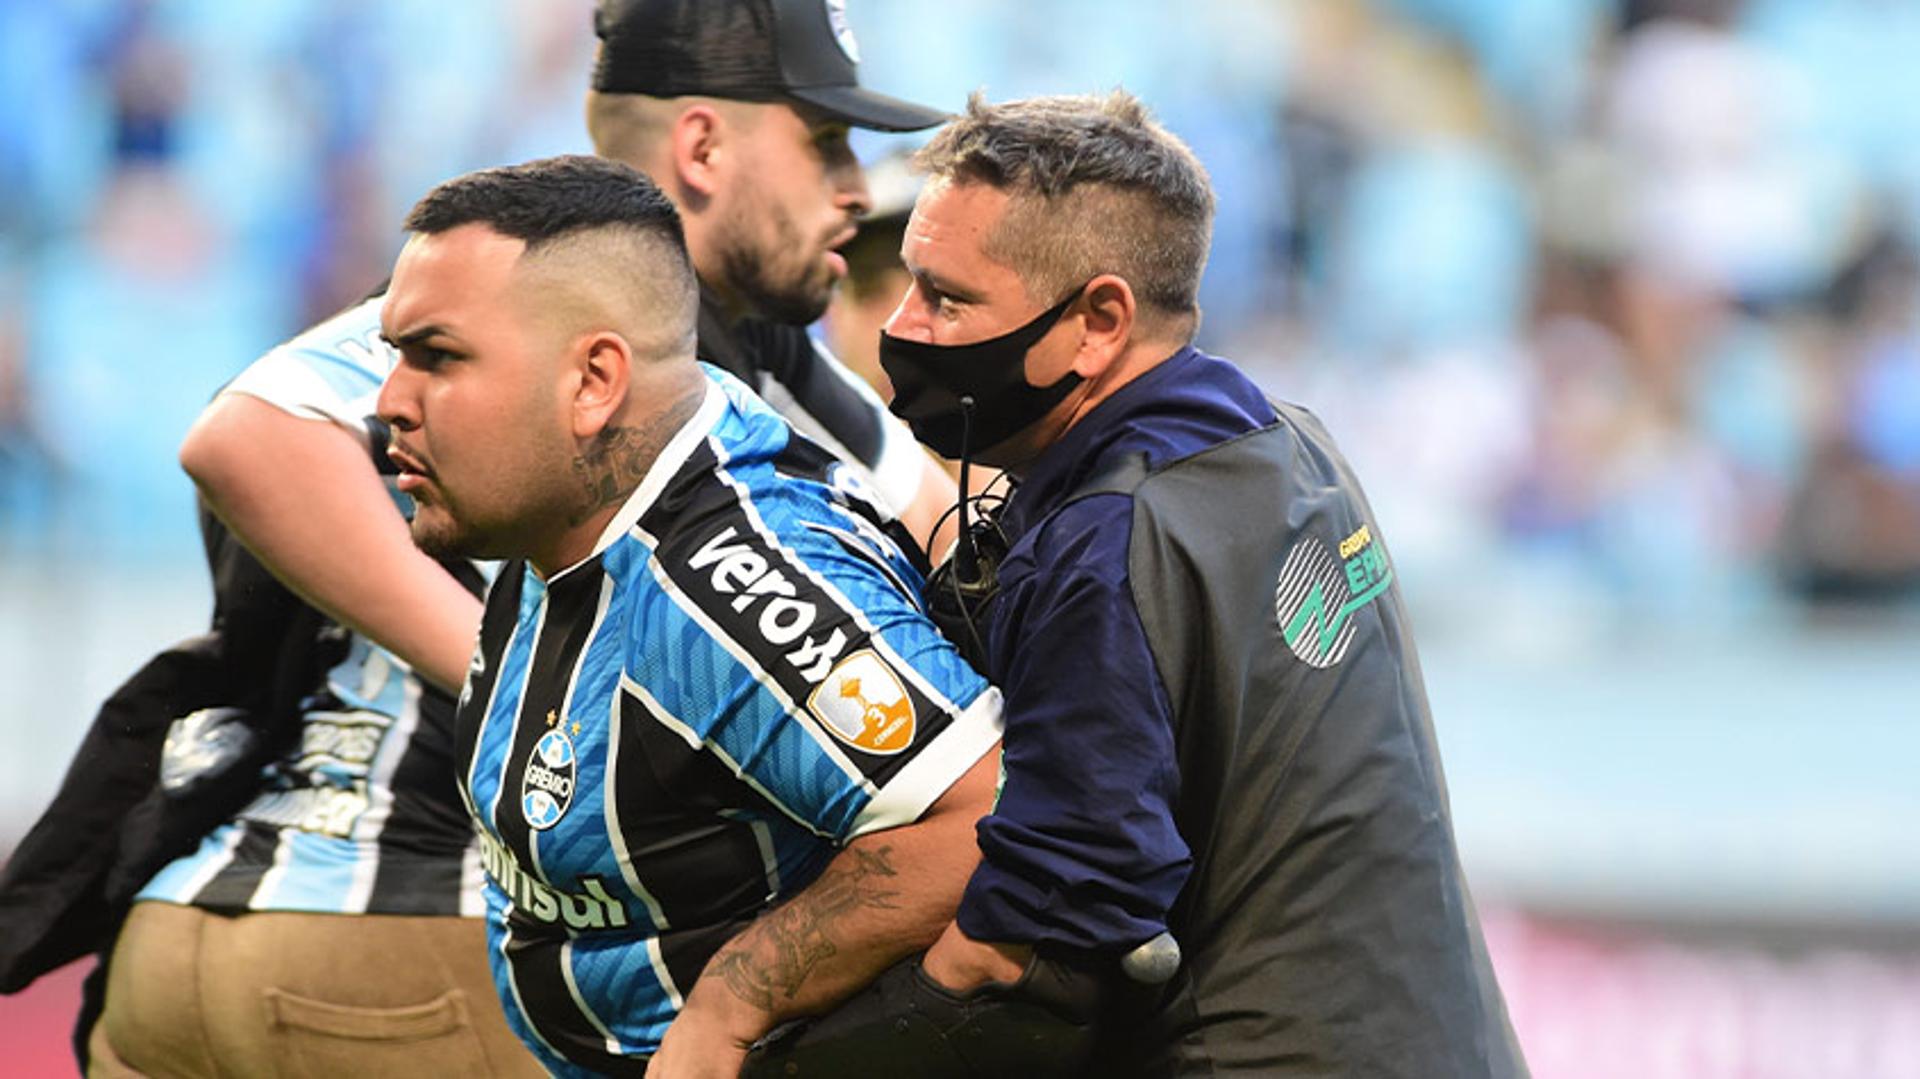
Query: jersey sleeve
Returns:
{"type": "Point", "coordinates": [1081, 848]}
{"type": "Point", "coordinates": [803, 663]}
{"type": "Point", "coordinates": [331, 372]}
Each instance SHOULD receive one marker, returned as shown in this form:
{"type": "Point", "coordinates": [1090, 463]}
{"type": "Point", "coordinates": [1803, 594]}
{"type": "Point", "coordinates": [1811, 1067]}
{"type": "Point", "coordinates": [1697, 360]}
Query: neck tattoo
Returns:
{"type": "Point", "coordinates": [614, 464]}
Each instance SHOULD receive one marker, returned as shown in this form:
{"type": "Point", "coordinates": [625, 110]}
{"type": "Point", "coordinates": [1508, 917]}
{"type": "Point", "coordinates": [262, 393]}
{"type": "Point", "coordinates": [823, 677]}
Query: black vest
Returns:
{"type": "Point", "coordinates": [1327, 927]}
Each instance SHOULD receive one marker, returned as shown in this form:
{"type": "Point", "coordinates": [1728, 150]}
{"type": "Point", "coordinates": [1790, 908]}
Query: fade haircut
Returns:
{"type": "Point", "coordinates": [575, 200]}
{"type": "Point", "coordinates": [1095, 186]}
{"type": "Point", "coordinates": [629, 127]}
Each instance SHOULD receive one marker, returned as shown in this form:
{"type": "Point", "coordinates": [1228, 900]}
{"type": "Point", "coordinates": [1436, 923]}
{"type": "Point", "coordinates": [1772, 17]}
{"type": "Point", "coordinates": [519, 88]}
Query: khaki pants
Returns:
{"type": "Point", "coordinates": [269, 994]}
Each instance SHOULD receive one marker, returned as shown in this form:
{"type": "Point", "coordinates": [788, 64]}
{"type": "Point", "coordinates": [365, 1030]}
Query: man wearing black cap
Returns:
{"type": "Point", "coordinates": [740, 111]}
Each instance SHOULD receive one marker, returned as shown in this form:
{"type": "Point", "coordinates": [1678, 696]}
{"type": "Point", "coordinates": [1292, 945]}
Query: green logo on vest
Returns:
{"type": "Point", "coordinates": [1318, 594]}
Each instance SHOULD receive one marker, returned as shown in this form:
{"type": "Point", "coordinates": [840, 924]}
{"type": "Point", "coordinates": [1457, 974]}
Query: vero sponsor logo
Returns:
{"type": "Point", "coordinates": [773, 605]}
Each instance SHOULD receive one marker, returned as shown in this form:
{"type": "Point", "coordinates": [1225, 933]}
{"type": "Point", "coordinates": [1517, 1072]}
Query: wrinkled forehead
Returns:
{"type": "Point", "coordinates": [441, 277]}
{"type": "Point", "coordinates": [955, 218]}
{"type": "Point", "coordinates": [954, 241]}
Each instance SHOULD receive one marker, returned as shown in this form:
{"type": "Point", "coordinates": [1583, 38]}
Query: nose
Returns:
{"type": "Point", "coordinates": [399, 401]}
{"type": "Point", "coordinates": [850, 189]}
{"type": "Point", "coordinates": [909, 320]}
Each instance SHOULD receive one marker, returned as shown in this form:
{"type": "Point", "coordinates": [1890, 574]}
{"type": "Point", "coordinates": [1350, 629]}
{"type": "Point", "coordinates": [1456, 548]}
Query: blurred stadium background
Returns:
{"type": "Point", "coordinates": [1615, 306]}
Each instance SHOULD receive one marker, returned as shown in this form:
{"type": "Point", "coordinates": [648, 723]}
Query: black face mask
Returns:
{"type": "Point", "coordinates": [929, 381]}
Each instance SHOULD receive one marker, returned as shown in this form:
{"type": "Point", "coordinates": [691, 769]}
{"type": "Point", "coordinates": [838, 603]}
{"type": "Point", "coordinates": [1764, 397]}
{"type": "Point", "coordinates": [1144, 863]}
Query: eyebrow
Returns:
{"type": "Point", "coordinates": [416, 337]}
{"type": "Point", "coordinates": [943, 286]}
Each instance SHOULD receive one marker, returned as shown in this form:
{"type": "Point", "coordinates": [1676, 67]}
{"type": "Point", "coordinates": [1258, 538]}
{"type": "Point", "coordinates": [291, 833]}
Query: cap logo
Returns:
{"type": "Point", "coordinates": [862, 703]}
{"type": "Point", "coordinates": [842, 30]}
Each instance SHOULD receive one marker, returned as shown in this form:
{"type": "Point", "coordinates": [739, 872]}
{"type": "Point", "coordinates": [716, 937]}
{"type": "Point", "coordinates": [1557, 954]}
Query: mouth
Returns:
{"type": "Point", "coordinates": [840, 239]}
{"type": "Point", "coordinates": [413, 473]}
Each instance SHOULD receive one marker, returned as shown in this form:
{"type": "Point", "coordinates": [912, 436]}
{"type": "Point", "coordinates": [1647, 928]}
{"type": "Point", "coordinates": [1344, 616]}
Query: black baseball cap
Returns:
{"type": "Point", "coordinates": [744, 50]}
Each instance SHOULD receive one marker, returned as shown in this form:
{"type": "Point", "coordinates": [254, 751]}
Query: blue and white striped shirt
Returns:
{"type": "Point", "coordinates": [361, 816]}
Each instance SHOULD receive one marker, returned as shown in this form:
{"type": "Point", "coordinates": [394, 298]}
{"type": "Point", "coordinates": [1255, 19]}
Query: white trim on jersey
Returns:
{"type": "Point", "coordinates": [394, 745]}
{"type": "Point", "coordinates": [928, 776]}
{"type": "Point", "coordinates": [473, 883]}
{"type": "Point", "coordinates": [266, 892]}
{"type": "Point", "coordinates": [763, 835]}
{"type": "Point", "coordinates": [614, 1047]}
{"type": "Point", "coordinates": [664, 975]}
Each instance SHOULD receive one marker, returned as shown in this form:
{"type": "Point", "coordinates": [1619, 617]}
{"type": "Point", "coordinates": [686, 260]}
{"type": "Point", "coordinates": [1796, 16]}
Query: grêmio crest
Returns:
{"type": "Point", "coordinates": [546, 789]}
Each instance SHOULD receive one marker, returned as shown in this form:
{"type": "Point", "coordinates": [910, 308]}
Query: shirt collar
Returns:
{"type": "Point", "coordinates": [1068, 462]}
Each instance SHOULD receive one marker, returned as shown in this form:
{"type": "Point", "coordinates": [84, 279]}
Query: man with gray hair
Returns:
{"type": "Point", "coordinates": [1222, 841]}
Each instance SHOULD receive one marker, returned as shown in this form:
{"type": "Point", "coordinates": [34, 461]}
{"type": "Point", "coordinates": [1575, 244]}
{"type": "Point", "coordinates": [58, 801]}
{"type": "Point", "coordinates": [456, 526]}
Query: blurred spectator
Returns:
{"type": "Point", "coordinates": [30, 472]}
{"type": "Point", "coordinates": [128, 319]}
{"type": "Point", "coordinates": [1854, 529]}
{"type": "Point", "coordinates": [1406, 187]}
{"type": "Point", "coordinates": [1718, 195]}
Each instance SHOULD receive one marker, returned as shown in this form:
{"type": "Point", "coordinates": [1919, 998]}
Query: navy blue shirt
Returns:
{"type": "Point", "coordinates": [1082, 848]}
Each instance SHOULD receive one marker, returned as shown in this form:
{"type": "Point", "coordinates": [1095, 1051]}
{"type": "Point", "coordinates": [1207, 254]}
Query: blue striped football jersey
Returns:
{"type": "Point", "coordinates": [361, 816]}
{"type": "Point", "coordinates": [662, 740]}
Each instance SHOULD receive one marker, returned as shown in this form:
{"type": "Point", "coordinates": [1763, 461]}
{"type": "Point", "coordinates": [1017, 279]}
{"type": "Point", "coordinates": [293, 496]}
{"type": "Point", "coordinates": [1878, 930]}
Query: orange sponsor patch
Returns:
{"type": "Point", "coordinates": [862, 703]}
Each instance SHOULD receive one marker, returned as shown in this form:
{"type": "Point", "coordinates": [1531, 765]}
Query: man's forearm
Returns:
{"type": "Point", "coordinates": [832, 938]}
{"type": "Point", "coordinates": [307, 501]}
{"type": "Point", "coordinates": [884, 897]}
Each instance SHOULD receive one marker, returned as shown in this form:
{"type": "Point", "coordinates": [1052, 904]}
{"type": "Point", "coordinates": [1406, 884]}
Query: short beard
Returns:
{"type": "Point", "coordinates": [746, 273]}
{"type": "Point", "coordinates": [443, 538]}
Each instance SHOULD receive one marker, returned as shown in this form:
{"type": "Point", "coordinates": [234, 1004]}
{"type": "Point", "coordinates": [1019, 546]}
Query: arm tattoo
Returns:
{"type": "Point", "coordinates": [774, 957]}
{"type": "Point", "coordinates": [613, 466]}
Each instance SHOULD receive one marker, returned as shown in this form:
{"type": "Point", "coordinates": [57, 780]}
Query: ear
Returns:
{"type": "Point", "coordinates": [695, 142]}
{"type": "Point", "coordinates": [1108, 321]}
{"type": "Point", "coordinates": [605, 371]}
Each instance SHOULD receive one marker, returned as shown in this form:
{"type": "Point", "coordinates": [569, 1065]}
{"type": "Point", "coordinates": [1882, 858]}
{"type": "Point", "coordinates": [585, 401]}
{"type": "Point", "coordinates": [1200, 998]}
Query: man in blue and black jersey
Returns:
{"type": "Point", "coordinates": [360, 817]}
{"type": "Point", "coordinates": [712, 747]}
